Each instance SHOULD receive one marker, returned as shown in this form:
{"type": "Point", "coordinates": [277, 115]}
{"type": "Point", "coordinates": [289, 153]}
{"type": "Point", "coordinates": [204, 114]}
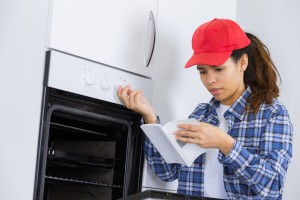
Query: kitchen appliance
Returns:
{"type": "Point", "coordinates": [90, 146]}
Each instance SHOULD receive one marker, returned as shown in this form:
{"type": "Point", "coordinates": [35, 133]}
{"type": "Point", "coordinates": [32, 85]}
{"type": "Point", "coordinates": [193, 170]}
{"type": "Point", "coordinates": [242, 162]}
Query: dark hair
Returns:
{"type": "Point", "coordinates": [261, 73]}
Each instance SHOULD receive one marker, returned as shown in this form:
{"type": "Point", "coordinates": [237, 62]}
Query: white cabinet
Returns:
{"type": "Point", "coordinates": [117, 33]}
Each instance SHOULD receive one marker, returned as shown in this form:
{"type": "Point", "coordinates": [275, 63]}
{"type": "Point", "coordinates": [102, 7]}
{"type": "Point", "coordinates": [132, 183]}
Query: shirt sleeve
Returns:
{"type": "Point", "coordinates": [265, 170]}
{"type": "Point", "coordinates": [164, 171]}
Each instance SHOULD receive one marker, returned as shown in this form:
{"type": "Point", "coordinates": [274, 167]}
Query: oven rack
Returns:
{"type": "Point", "coordinates": [76, 129]}
{"type": "Point", "coordinates": [75, 158]}
{"type": "Point", "coordinates": [75, 181]}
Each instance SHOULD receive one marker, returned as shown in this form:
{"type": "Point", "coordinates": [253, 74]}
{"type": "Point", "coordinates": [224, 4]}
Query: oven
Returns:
{"type": "Point", "coordinates": [90, 146]}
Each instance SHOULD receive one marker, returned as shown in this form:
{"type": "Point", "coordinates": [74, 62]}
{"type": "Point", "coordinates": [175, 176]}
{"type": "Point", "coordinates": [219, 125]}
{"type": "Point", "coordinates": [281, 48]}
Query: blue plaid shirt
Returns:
{"type": "Point", "coordinates": [257, 164]}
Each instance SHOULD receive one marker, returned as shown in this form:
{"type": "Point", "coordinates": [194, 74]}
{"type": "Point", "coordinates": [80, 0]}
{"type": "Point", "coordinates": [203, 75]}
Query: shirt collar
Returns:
{"type": "Point", "coordinates": [237, 108]}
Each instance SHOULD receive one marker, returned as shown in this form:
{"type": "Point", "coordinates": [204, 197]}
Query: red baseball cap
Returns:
{"type": "Point", "coordinates": [214, 41]}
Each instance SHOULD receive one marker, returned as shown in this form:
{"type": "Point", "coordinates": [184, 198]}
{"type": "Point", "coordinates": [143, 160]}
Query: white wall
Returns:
{"type": "Point", "coordinates": [276, 22]}
{"type": "Point", "coordinates": [22, 46]}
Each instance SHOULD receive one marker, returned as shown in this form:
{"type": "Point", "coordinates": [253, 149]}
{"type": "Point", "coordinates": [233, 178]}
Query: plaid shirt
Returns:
{"type": "Point", "coordinates": [257, 164]}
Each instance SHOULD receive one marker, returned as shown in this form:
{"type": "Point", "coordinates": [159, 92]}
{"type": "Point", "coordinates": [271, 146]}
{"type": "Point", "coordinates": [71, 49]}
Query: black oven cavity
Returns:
{"type": "Point", "coordinates": [88, 149]}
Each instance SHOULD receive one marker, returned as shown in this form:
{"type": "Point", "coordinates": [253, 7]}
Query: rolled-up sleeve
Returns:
{"type": "Point", "coordinates": [164, 171]}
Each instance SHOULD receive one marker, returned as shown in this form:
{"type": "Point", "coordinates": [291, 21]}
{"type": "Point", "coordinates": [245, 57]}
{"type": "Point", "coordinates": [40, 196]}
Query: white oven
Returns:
{"type": "Point", "coordinates": [90, 146]}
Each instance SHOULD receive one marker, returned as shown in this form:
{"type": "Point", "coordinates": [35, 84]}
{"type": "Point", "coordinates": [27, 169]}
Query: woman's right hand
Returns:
{"type": "Point", "coordinates": [134, 100]}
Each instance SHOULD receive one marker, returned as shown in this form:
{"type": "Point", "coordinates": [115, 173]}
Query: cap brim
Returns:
{"type": "Point", "coordinates": [213, 59]}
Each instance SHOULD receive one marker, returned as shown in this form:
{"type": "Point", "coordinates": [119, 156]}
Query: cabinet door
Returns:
{"type": "Point", "coordinates": [117, 33]}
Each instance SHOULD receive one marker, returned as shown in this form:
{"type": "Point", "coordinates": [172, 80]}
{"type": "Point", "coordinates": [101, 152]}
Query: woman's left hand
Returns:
{"type": "Point", "coordinates": [206, 136]}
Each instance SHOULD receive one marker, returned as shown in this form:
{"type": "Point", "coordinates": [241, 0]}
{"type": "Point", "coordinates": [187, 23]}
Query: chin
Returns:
{"type": "Point", "coordinates": [218, 98]}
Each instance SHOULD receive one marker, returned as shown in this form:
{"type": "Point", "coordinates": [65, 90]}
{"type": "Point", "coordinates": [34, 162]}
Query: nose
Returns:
{"type": "Point", "coordinates": [211, 78]}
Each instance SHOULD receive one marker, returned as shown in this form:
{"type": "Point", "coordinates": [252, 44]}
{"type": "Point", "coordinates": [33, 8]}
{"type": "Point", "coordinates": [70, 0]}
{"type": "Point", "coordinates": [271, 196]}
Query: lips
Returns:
{"type": "Point", "coordinates": [214, 91]}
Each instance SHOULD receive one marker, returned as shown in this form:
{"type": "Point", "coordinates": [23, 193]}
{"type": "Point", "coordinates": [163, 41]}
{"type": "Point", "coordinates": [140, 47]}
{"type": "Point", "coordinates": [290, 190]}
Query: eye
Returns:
{"type": "Point", "coordinates": [217, 69]}
{"type": "Point", "coordinates": [201, 71]}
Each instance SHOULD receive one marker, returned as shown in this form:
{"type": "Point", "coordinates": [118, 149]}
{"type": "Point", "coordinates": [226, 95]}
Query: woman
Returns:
{"type": "Point", "coordinates": [246, 126]}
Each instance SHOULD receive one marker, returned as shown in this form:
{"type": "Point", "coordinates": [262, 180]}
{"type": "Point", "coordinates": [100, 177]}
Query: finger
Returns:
{"type": "Point", "coordinates": [187, 139]}
{"type": "Point", "coordinates": [187, 134]}
{"type": "Point", "coordinates": [123, 95]}
{"type": "Point", "coordinates": [120, 89]}
{"type": "Point", "coordinates": [127, 88]}
{"type": "Point", "coordinates": [120, 94]}
{"type": "Point", "coordinates": [189, 127]}
{"type": "Point", "coordinates": [203, 124]}
{"type": "Point", "coordinates": [132, 97]}
{"type": "Point", "coordinates": [137, 97]}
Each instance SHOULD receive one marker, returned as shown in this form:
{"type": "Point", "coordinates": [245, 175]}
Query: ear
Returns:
{"type": "Point", "coordinates": [243, 62]}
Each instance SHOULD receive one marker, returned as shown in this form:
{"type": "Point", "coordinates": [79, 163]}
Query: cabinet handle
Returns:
{"type": "Point", "coordinates": [151, 38]}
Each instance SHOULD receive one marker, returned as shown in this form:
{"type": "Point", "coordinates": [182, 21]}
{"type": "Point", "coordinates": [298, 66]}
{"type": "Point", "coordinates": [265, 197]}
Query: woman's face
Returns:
{"type": "Point", "coordinates": [225, 82]}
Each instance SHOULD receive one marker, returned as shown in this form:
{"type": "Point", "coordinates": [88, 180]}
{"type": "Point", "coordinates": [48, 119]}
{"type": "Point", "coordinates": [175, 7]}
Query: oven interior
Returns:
{"type": "Point", "coordinates": [91, 149]}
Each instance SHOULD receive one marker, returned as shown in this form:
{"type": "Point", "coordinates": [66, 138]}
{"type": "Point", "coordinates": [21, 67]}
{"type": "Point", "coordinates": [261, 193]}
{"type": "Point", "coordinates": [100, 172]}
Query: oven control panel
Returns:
{"type": "Point", "coordinates": [88, 78]}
